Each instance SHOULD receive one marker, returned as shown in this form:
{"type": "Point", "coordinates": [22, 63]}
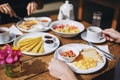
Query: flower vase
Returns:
{"type": "Point", "coordinates": [13, 70]}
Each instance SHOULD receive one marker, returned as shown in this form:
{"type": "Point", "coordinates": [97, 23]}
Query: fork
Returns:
{"type": "Point", "coordinates": [109, 56]}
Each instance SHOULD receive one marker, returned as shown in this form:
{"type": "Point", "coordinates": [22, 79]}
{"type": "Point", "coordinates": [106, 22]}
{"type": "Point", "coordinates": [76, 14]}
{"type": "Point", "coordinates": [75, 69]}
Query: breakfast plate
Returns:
{"type": "Point", "coordinates": [83, 36]}
{"type": "Point", "coordinates": [34, 24]}
{"type": "Point", "coordinates": [12, 38]}
{"type": "Point", "coordinates": [77, 46]}
{"type": "Point", "coordinates": [48, 48]}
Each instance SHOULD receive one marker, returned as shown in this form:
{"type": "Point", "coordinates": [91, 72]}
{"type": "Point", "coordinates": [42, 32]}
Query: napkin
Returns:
{"type": "Point", "coordinates": [14, 30]}
{"type": "Point", "coordinates": [104, 48]}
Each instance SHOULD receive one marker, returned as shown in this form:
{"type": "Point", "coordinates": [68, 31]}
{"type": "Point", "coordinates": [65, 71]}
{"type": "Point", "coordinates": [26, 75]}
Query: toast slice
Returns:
{"type": "Point", "coordinates": [92, 53]}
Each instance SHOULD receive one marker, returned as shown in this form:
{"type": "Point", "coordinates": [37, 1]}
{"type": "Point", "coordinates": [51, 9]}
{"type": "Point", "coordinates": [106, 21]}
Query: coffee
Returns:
{"type": "Point", "coordinates": [93, 30]}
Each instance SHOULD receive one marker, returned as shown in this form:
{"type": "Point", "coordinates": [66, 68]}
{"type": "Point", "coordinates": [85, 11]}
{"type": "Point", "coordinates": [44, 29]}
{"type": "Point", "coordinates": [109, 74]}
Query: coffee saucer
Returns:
{"type": "Point", "coordinates": [83, 36]}
{"type": "Point", "coordinates": [12, 38]}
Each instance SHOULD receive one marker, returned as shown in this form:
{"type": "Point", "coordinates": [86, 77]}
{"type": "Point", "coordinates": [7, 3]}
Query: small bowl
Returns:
{"type": "Point", "coordinates": [76, 24]}
{"type": "Point", "coordinates": [67, 53]}
{"type": "Point", "coordinates": [44, 21]}
{"type": "Point", "coordinates": [49, 41]}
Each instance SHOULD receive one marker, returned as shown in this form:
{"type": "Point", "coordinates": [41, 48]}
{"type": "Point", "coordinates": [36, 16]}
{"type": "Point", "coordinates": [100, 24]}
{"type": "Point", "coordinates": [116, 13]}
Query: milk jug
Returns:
{"type": "Point", "coordinates": [66, 11]}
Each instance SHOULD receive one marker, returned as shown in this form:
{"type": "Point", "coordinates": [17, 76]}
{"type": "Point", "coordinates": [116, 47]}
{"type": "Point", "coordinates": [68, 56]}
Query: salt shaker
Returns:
{"type": "Point", "coordinates": [96, 18]}
{"type": "Point", "coordinates": [66, 11]}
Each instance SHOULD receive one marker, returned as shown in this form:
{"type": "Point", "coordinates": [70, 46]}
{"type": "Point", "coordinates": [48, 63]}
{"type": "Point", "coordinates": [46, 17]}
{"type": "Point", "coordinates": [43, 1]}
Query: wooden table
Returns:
{"type": "Point", "coordinates": [36, 68]}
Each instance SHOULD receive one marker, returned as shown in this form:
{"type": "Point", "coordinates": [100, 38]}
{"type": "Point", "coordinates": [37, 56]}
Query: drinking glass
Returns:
{"type": "Point", "coordinates": [96, 18]}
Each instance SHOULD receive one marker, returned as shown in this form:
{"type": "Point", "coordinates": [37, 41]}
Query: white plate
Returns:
{"type": "Point", "coordinates": [12, 38]}
{"type": "Point", "coordinates": [47, 49]}
{"type": "Point", "coordinates": [39, 26]}
{"type": "Point", "coordinates": [75, 69]}
{"type": "Point", "coordinates": [30, 18]}
{"type": "Point", "coordinates": [83, 36]}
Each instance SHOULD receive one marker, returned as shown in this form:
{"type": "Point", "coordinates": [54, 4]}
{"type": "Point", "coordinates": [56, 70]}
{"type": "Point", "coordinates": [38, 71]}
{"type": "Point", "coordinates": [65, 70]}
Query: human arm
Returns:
{"type": "Point", "coordinates": [34, 5]}
{"type": "Point", "coordinates": [60, 70]}
{"type": "Point", "coordinates": [112, 35]}
{"type": "Point", "coordinates": [6, 9]}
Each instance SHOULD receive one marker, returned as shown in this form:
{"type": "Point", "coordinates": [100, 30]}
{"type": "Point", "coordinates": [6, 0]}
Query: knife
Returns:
{"type": "Point", "coordinates": [22, 19]}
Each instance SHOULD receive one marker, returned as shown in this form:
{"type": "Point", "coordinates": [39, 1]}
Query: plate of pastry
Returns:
{"type": "Point", "coordinates": [88, 61]}
{"type": "Point", "coordinates": [33, 24]}
{"type": "Point", "coordinates": [37, 43]}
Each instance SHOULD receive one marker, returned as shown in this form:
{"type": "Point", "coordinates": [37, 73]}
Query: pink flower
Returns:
{"type": "Point", "coordinates": [9, 55]}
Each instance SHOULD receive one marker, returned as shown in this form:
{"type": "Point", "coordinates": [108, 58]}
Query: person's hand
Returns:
{"type": "Point", "coordinates": [60, 70]}
{"type": "Point", "coordinates": [6, 8]}
{"type": "Point", "coordinates": [31, 7]}
{"type": "Point", "coordinates": [112, 35]}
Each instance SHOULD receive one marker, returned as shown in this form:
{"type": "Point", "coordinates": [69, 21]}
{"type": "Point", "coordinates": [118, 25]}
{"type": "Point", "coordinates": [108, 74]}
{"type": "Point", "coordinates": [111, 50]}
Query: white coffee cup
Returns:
{"type": "Point", "coordinates": [94, 33]}
{"type": "Point", "coordinates": [4, 35]}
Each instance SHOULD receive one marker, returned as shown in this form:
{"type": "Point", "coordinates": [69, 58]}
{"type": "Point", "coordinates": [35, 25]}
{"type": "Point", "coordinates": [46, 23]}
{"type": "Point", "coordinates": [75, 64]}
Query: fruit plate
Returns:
{"type": "Point", "coordinates": [47, 48]}
{"type": "Point", "coordinates": [81, 71]}
{"type": "Point", "coordinates": [67, 28]}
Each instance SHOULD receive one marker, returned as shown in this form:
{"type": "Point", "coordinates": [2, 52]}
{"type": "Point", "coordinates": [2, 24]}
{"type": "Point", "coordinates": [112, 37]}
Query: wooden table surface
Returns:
{"type": "Point", "coordinates": [36, 68]}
